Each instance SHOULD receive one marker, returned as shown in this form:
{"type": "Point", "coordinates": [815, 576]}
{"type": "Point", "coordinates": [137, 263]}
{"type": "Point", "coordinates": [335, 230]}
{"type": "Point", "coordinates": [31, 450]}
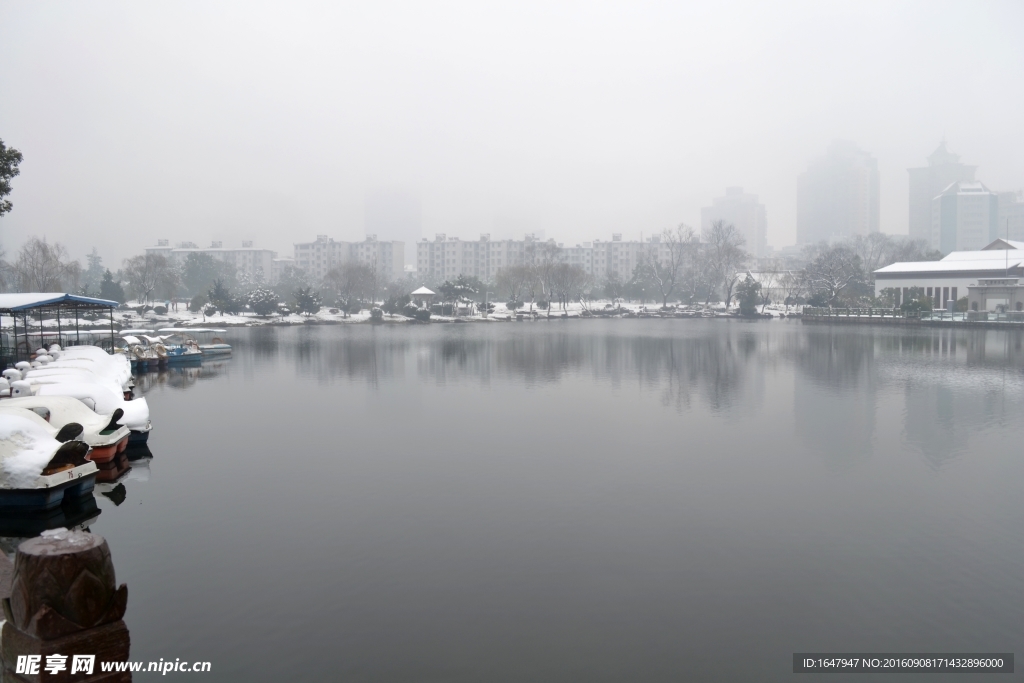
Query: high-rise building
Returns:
{"type": "Point", "coordinates": [1011, 216]}
{"type": "Point", "coordinates": [743, 211]}
{"type": "Point", "coordinates": [965, 217]}
{"type": "Point", "coordinates": [926, 183]}
{"type": "Point", "coordinates": [837, 196]}
{"type": "Point", "coordinates": [393, 214]}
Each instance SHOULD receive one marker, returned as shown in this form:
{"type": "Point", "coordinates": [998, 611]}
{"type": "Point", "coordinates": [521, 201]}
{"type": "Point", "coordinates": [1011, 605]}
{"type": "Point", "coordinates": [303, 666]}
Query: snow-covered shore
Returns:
{"type": "Point", "coordinates": [130, 319]}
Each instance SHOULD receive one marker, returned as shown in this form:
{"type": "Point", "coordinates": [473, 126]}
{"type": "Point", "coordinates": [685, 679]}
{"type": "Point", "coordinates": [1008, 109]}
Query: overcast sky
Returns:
{"type": "Point", "coordinates": [271, 121]}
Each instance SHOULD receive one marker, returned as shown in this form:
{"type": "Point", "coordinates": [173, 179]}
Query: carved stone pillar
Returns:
{"type": "Point", "coordinates": [64, 601]}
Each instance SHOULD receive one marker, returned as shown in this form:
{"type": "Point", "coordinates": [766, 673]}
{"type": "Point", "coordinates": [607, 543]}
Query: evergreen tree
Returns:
{"type": "Point", "coordinates": [110, 290]}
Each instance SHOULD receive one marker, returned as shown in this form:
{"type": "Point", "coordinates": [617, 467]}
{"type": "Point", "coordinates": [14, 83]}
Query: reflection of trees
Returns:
{"type": "Point", "coordinates": [709, 364]}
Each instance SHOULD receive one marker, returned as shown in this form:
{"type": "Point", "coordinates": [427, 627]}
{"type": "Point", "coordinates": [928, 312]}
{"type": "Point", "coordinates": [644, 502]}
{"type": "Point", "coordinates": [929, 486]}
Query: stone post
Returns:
{"type": "Point", "coordinates": [64, 601]}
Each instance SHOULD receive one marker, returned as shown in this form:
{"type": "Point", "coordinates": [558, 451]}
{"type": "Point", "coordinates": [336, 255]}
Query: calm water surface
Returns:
{"type": "Point", "coordinates": [614, 500]}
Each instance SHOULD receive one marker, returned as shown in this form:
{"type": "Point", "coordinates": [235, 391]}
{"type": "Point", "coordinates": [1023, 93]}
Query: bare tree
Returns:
{"type": "Point", "coordinates": [44, 267]}
{"type": "Point", "coordinates": [349, 282]}
{"type": "Point", "coordinates": [725, 256]}
{"type": "Point", "coordinates": [793, 285]}
{"type": "Point", "coordinates": [769, 277]}
{"type": "Point", "coordinates": [546, 261]}
{"type": "Point", "coordinates": [146, 273]}
{"type": "Point", "coordinates": [832, 270]}
{"type": "Point", "coordinates": [568, 283]}
{"type": "Point", "coordinates": [666, 259]}
{"type": "Point", "coordinates": [513, 281]}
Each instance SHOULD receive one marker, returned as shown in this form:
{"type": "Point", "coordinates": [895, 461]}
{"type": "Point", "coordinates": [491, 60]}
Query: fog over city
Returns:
{"type": "Point", "coordinates": [275, 122]}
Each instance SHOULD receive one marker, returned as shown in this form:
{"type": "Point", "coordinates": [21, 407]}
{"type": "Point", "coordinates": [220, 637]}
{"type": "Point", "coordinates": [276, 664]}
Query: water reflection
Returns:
{"type": "Point", "coordinates": [15, 528]}
{"type": "Point", "coordinates": [606, 484]}
{"type": "Point", "coordinates": [178, 377]}
{"type": "Point", "coordinates": [945, 377]}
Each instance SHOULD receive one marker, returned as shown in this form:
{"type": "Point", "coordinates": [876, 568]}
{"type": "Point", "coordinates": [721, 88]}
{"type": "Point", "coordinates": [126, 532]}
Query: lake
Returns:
{"type": "Point", "coordinates": [606, 500]}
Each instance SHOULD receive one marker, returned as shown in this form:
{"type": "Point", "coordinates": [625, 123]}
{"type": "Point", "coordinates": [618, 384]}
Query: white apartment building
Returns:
{"type": "Point", "coordinates": [246, 259]}
{"type": "Point", "coordinates": [965, 217]}
{"type": "Point", "coordinates": [319, 257]}
{"type": "Point", "coordinates": [445, 258]}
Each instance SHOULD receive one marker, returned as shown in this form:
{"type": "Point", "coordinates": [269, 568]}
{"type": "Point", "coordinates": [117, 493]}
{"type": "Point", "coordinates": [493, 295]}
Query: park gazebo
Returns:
{"type": "Point", "coordinates": [422, 297]}
{"type": "Point", "coordinates": [35, 307]}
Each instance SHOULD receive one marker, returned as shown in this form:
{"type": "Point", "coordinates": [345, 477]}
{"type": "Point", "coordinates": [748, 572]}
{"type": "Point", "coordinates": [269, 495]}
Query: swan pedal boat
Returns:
{"type": "Point", "coordinates": [59, 411]}
{"type": "Point", "coordinates": [36, 470]}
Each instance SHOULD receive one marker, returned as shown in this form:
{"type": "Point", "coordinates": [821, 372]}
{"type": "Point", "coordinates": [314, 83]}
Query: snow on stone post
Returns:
{"type": "Point", "coordinates": [64, 601]}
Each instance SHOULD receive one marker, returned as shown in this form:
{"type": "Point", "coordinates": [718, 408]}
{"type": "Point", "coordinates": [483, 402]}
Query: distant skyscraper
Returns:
{"type": "Point", "coordinates": [393, 214]}
{"type": "Point", "coordinates": [745, 212]}
{"type": "Point", "coordinates": [943, 169]}
{"type": "Point", "coordinates": [837, 196]}
{"type": "Point", "coordinates": [965, 217]}
{"type": "Point", "coordinates": [1011, 215]}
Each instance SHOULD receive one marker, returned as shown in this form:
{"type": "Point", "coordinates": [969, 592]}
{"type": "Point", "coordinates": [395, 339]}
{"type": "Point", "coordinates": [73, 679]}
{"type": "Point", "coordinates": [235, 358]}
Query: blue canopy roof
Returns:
{"type": "Point", "coordinates": [29, 300]}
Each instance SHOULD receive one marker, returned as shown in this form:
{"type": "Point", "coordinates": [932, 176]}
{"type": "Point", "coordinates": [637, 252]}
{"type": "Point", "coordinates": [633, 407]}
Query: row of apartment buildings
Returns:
{"type": "Point", "coordinates": [444, 258]}
{"type": "Point", "coordinates": [315, 258]}
{"type": "Point", "coordinates": [247, 259]}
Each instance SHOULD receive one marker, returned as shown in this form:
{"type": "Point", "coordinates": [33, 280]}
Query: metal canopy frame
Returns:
{"type": "Point", "coordinates": [69, 304]}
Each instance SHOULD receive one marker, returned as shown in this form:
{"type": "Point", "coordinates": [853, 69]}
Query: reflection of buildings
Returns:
{"type": "Point", "coordinates": [835, 409]}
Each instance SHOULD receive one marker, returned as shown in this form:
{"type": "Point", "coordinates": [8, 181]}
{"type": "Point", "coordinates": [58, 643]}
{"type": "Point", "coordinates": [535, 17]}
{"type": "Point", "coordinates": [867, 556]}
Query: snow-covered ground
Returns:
{"type": "Point", "coordinates": [129, 319]}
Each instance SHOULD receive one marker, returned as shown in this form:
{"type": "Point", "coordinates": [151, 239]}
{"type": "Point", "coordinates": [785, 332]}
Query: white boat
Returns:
{"type": "Point", "coordinates": [99, 398]}
{"type": "Point", "coordinates": [36, 470]}
{"type": "Point", "coordinates": [210, 341]}
{"type": "Point", "coordinates": [182, 347]}
{"type": "Point", "coordinates": [101, 432]}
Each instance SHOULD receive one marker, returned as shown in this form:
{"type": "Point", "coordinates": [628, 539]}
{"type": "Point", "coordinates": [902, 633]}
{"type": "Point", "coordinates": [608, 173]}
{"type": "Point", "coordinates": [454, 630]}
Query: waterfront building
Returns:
{"type": "Point", "coordinates": [927, 182]}
{"type": "Point", "coordinates": [317, 258]}
{"type": "Point", "coordinates": [837, 196]}
{"type": "Point", "coordinates": [949, 278]}
{"type": "Point", "coordinates": [999, 295]}
{"type": "Point", "coordinates": [246, 259]}
{"type": "Point", "coordinates": [743, 211]}
{"type": "Point", "coordinates": [965, 217]}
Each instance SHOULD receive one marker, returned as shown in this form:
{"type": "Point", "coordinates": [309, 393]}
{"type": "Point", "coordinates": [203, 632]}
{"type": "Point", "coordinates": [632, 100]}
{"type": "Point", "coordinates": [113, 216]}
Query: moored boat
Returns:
{"type": "Point", "coordinates": [38, 471]}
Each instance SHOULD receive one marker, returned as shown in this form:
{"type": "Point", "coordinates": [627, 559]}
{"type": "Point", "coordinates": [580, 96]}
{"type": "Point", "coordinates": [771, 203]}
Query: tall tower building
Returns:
{"type": "Point", "coordinates": [393, 214]}
{"type": "Point", "coordinates": [926, 183]}
{"type": "Point", "coordinates": [837, 196]}
{"type": "Point", "coordinates": [965, 217]}
{"type": "Point", "coordinates": [745, 212]}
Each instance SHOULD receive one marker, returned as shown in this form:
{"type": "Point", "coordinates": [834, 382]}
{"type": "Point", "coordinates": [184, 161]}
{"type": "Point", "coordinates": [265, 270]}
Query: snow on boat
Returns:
{"type": "Point", "coordinates": [182, 347]}
{"type": "Point", "coordinates": [100, 399]}
{"type": "Point", "coordinates": [210, 342]}
{"type": "Point", "coordinates": [36, 470]}
{"type": "Point", "coordinates": [100, 431]}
